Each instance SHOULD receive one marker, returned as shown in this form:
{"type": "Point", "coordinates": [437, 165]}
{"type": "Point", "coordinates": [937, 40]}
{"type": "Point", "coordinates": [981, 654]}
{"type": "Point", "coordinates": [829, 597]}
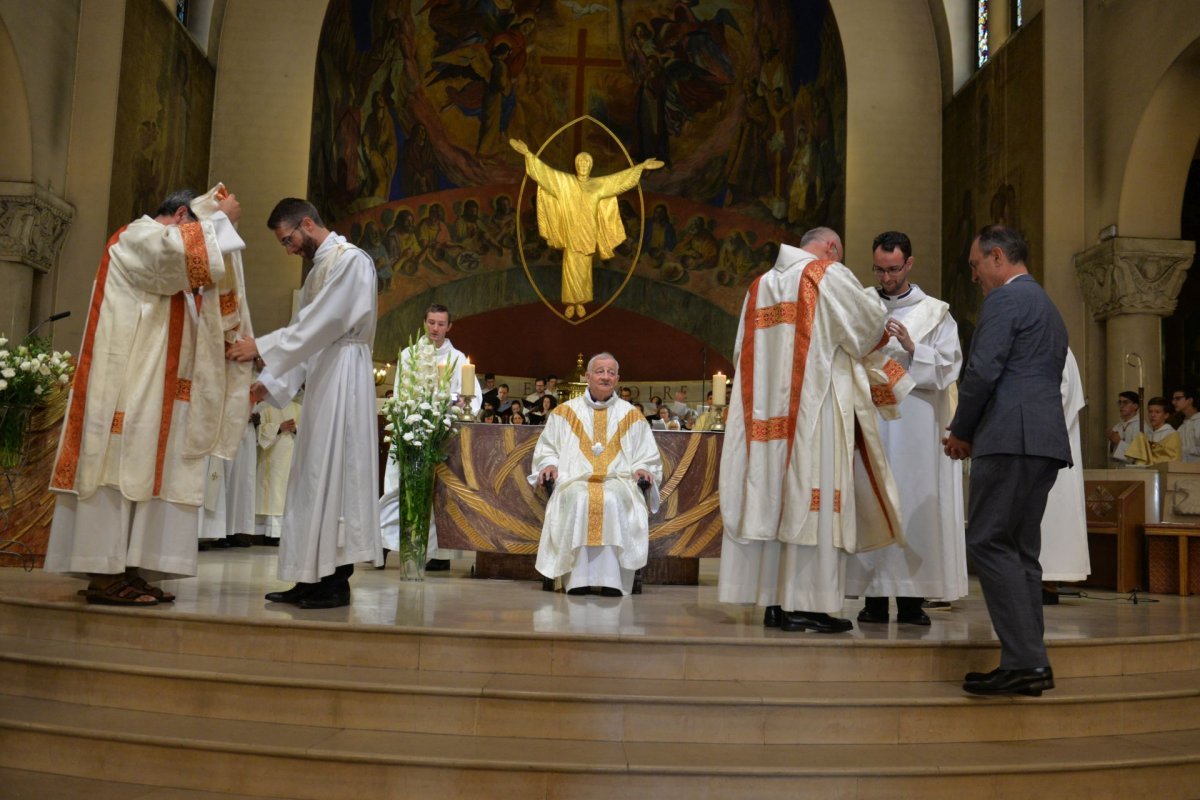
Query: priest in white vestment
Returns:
{"type": "Point", "coordinates": [151, 399]}
{"type": "Point", "coordinates": [437, 324]}
{"type": "Point", "coordinates": [933, 560]}
{"type": "Point", "coordinates": [227, 518]}
{"type": "Point", "coordinates": [277, 429]}
{"type": "Point", "coordinates": [804, 479]}
{"type": "Point", "coordinates": [596, 448]}
{"type": "Point", "coordinates": [330, 519]}
{"type": "Point", "coordinates": [1064, 555]}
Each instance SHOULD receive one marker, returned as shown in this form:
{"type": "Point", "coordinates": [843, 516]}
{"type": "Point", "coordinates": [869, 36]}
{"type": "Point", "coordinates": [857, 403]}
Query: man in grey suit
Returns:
{"type": "Point", "coordinates": [1010, 423]}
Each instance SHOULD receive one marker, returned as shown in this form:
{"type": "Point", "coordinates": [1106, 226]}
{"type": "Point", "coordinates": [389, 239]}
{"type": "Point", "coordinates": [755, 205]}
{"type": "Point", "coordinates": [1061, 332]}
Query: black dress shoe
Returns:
{"type": "Point", "coordinates": [773, 616]}
{"type": "Point", "coordinates": [974, 677]}
{"type": "Point", "coordinates": [437, 565]}
{"type": "Point", "coordinates": [1049, 598]}
{"type": "Point", "coordinates": [868, 615]}
{"type": "Point", "coordinates": [1013, 681]}
{"type": "Point", "coordinates": [578, 590]}
{"type": "Point", "coordinates": [814, 621]}
{"type": "Point", "coordinates": [918, 617]}
{"type": "Point", "coordinates": [334, 599]}
{"type": "Point", "coordinates": [292, 595]}
{"type": "Point", "coordinates": [608, 591]}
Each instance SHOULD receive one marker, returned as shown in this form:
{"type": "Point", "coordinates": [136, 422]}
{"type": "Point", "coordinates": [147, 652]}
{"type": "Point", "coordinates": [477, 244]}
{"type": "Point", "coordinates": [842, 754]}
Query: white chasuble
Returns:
{"type": "Point", "coordinates": [804, 478]}
{"type": "Point", "coordinates": [147, 333]}
{"type": "Point", "coordinates": [1064, 554]}
{"type": "Point", "coordinates": [597, 447]}
{"type": "Point", "coordinates": [933, 560]}
{"type": "Point", "coordinates": [330, 516]}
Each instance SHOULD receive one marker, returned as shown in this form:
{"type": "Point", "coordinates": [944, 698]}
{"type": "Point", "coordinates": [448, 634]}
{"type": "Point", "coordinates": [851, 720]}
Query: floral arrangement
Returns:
{"type": "Point", "coordinates": [31, 371]}
{"type": "Point", "coordinates": [420, 422]}
{"type": "Point", "coordinates": [31, 374]}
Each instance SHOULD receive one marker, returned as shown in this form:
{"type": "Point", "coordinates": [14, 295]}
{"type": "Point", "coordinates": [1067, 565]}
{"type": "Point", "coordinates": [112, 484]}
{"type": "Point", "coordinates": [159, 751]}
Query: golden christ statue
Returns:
{"type": "Point", "coordinates": [578, 214]}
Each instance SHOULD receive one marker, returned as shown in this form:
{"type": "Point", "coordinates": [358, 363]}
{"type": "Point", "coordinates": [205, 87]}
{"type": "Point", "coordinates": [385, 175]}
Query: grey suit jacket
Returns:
{"type": "Point", "coordinates": [1010, 401]}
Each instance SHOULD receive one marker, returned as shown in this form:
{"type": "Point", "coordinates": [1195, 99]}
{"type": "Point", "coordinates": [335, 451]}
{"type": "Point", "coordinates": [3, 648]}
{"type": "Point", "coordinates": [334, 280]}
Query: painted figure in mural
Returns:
{"type": "Point", "coordinates": [379, 142]}
{"type": "Point", "coordinates": [402, 245]}
{"type": "Point", "coordinates": [418, 165]}
{"type": "Point", "coordinates": [699, 247]}
{"type": "Point", "coordinates": [578, 214]}
{"type": "Point", "coordinates": [745, 171]}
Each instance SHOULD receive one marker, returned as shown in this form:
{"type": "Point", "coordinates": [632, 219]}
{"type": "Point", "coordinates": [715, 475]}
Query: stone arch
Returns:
{"type": "Point", "coordinates": [1156, 171]}
{"type": "Point", "coordinates": [16, 139]}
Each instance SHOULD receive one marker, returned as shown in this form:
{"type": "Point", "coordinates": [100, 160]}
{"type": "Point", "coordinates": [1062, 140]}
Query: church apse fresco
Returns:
{"type": "Point", "coordinates": [415, 104]}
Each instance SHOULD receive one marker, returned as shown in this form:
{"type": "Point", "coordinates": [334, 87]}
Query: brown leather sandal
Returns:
{"type": "Point", "coordinates": [161, 595]}
{"type": "Point", "coordinates": [119, 593]}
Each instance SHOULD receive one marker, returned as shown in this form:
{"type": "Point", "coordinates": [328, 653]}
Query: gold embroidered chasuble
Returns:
{"type": "Point", "coordinates": [597, 448]}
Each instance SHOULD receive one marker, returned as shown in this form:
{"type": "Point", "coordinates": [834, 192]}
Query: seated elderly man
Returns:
{"type": "Point", "coordinates": [596, 448]}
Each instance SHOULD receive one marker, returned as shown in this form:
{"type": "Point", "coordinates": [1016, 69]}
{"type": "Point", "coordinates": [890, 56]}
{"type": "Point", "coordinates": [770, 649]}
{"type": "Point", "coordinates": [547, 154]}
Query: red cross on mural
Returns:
{"type": "Point", "coordinates": [580, 61]}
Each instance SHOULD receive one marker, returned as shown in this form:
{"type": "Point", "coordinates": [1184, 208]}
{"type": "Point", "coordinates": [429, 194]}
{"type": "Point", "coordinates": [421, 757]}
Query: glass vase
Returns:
{"type": "Point", "coordinates": [416, 510]}
{"type": "Point", "coordinates": [14, 423]}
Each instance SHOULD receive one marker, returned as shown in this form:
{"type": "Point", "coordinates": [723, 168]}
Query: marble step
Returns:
{"type": "Point", "coordinates": [20, 784]}
{"type": "Point", "coordinates": [308, 761]}
{"type": "Point", "coordinates": [781, 658]}
{"type": "Point", "coordinates": [589, 709]}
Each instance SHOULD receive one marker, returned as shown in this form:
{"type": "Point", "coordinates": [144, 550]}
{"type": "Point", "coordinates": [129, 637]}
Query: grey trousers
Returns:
{"type": "Point", "coordinates": [1004, 539]}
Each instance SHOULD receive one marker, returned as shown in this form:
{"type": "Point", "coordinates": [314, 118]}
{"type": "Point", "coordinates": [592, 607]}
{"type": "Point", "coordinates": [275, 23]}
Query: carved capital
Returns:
{"type": "Point", "coordinates": [1133, 276]}
{"type": "Point", "coordinates": [33, 225]}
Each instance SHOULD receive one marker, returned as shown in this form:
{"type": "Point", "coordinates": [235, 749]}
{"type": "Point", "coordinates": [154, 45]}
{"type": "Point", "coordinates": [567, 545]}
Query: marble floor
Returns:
{"type": "Point", "coordinates": [231, 583]}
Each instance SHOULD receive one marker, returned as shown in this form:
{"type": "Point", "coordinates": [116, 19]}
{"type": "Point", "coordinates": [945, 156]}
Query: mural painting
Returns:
{"type": "Point", "coordinates": [742, 100]}
{"type": "Point", "coordinates": [164, 117]}
{"type": "Point", "coordinates": [992, 165]}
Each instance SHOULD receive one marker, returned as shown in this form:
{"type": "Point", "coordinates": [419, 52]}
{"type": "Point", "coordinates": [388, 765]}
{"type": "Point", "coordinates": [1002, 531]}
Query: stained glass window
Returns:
{"type": "Point", "coordinates": [181, 9]}
{"type": "Point", "coordinates": [981, 30]}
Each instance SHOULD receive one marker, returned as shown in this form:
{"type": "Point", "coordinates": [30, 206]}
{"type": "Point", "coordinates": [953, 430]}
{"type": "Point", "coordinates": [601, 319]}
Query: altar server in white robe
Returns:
{"type": "Point", "coordinates": [438, 322]}
{"type": "Point", "coordinates": [596, 448]}
{"type": "Point", "coordinates": [330, 519]}
{"type": "Point", "coordinates": [1122, 434]}
{"type": "Point", "coordinates": [933, 560]}
{"type": "Point", "coordinates": [229, 499]}
{"type": "Point", "coordinates": [277, 428]}
{"type": "Point", "coordinates": [804, 479]}
{"type": "Point", "coordinates": [1064, 554]}
{"type": "Point", "coordinates": [152, 397]}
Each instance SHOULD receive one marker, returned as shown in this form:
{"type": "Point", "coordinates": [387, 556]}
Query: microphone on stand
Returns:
{"type": "Point", "coordinates": [51, 318]}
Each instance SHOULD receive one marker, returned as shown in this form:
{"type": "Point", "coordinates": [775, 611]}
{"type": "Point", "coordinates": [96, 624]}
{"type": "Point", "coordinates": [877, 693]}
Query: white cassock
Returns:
{"type": "Point", "coordinates": [389, 504]}
{"type": "Point", "coordinates": [152, 396]}
{"type": "Point", "coordinates": [274, 466]}
{"type": "Point", "coordinates": [1128, 429]}
{"type": "Point", "coordinates": [933, 560]}
{"type": "Point", "coordinates": [1189, 438]}
{"type": "Point", "coordinates": [804, 479]}
{"type": "Point", "coordinates": [1064, 554]}
{"type": "Point", "coordinates": [330, 516]}
{"type": "Point", "coordinates": [597, 528]}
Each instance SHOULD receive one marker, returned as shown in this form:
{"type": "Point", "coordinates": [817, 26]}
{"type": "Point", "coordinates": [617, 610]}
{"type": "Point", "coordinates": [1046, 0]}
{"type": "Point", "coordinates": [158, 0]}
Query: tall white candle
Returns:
{"type": "Point", "coordinates": [468, 378]}
{"type": "Point", "coordinates": [719, 389]}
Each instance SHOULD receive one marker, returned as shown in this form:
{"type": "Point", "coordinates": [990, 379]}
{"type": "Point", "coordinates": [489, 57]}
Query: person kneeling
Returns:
{"type": "Point", "coordinates": [594, 452]}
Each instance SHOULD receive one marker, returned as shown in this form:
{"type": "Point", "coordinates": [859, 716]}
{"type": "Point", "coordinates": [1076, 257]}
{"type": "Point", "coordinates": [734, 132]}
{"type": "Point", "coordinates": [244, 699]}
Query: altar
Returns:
{"type": "Point", "coordinates": [483, 502]}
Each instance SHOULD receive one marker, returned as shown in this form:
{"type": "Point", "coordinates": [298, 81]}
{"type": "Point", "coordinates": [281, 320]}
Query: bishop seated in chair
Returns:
{"type": "Point", "coordinates": [595, 455]}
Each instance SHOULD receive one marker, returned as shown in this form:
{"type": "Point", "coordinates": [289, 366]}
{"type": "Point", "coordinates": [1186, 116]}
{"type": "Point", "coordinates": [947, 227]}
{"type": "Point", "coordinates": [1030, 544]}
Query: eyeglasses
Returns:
{"type": "Point", "coordinates": [286, 240]}
{"type": "Point", "coordinates": [880, 271]}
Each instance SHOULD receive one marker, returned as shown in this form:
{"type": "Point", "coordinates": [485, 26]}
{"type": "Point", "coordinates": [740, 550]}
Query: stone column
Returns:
{"type": "Point", "coordinates": [1130, 285]}
{"type": "Point", "coordinates": [33, 226]}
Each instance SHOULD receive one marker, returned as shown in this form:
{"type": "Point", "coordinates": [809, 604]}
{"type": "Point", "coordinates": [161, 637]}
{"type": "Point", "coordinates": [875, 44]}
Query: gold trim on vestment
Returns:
{"type": "Point", "coordinates": [600, 462]}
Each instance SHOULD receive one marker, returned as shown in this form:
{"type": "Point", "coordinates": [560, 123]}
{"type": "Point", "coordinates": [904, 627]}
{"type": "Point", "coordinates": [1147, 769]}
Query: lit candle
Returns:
{"type": "Point", "coordinates": [719, 389]}
{"type": "Point", "coordinates": [468, 378]}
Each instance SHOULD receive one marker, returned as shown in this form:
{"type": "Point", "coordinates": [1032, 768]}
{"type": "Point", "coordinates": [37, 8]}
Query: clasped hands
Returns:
{"type": "Point", "coordinates": [551, 474]}
{"type": "Point", "coordinates": [955, 447]}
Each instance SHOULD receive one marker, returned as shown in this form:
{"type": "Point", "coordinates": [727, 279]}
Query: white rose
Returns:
{"type": "Point", "coordinates": [64, 378]}
{"type": "Point", "coordinates": [37, 390]}
{"type": "Point", "coordinates": [9, 373]}
{"type": "Point", "coordinates": [3, 384]}
{"type": "Point", "coordinates": [408, 436]}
